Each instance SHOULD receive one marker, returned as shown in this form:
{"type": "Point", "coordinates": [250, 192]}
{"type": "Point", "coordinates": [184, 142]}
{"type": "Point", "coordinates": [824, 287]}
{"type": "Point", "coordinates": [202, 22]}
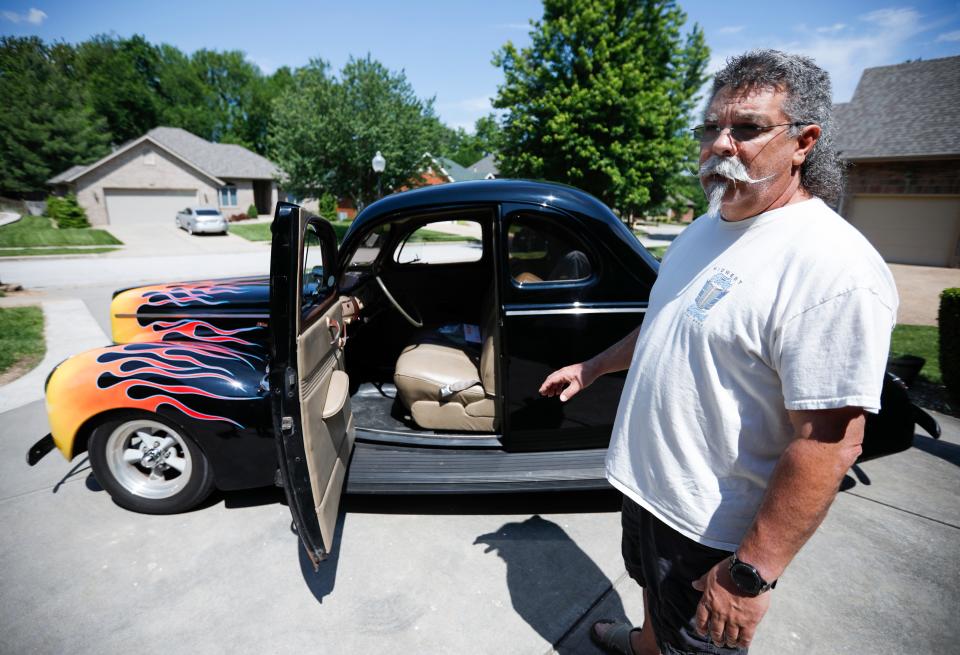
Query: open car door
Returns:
{"type": "Point", "coordinates": [310, 393]}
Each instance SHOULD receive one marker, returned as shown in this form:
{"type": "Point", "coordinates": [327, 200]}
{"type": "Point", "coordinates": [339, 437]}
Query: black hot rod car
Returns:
{"type": "Point", "coordinates": [412, 356]}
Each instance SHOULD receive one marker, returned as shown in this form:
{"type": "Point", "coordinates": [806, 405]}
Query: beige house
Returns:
{"type": "Point", "coordinates": [899, 139]}
{"type": "Point", "coordinates": [150, 179]}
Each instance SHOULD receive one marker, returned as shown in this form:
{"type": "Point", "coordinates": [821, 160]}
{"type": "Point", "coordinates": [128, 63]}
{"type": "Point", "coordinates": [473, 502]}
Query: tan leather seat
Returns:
{"type": "Point", "coordinates": [446, 387]}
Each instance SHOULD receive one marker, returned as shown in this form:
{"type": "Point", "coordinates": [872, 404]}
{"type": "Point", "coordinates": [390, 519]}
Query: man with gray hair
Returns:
{"type": "Point", "coordinates": [763, 346]}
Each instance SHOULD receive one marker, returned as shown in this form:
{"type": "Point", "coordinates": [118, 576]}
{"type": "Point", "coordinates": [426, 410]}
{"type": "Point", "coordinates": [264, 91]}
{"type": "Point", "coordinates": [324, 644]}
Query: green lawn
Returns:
{"type": "Point", "coordinates": [30, 252]}
{"type": "Point", "coordinates": [921, 341]}
{"type": "Point", "coordinates": [21, 337]}
{"type": "Point", "coordinates": [39, 231]}
{"type": "Point", "coordinates": [261, 232]}
{"type": "Point", "coordinates": [657, 251]}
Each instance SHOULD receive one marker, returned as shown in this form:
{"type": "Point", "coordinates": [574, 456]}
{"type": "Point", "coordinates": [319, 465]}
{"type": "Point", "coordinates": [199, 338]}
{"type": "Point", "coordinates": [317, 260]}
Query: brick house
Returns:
{"type": "Point", "coordinates": [150, 179]}
{"type": "Point", "coordinates": [899, 138]}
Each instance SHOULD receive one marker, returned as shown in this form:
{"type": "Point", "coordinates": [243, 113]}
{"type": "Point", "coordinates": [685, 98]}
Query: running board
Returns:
{"type": "Point", "coordinates": [377, 469]}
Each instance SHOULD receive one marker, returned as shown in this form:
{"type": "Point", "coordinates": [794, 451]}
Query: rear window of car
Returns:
{"type": "Point", "coordinates": [207, 212]}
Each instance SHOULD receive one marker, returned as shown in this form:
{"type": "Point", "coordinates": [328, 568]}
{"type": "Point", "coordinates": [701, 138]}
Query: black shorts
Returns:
{"type": "Point", "coordinates": [665, 563]}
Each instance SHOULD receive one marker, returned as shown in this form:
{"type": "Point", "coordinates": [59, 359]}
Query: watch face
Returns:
{"type": "Point", "coordinates": [746, 577]}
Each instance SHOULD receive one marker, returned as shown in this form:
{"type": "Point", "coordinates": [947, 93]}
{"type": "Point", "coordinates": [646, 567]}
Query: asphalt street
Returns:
{"type": "Point", "coordinates": [505, 574]}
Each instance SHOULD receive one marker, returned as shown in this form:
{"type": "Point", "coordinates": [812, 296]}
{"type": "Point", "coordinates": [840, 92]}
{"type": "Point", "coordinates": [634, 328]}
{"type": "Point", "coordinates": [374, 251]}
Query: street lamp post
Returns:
{"type": "Point", "coordinates": [379, 163]}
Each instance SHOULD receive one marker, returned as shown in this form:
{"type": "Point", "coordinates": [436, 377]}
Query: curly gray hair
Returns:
{"type": "Point", "coordinates": [808, 101]}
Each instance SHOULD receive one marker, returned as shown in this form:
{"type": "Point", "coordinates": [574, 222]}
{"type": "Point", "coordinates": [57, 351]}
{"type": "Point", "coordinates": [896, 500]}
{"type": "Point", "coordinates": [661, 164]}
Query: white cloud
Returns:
{"type": "Point", "coordinates": [34, 16]}
{"type": "Point", "coordinates": [875, 39]}
{"type": "Point", "coordinates": [893, 18]}
{"type": "Point", "coordinates": [730, 29]}
{"type": "Point", "coordinates": [829, 29]}
{"type": "Point", "coordinates": [464, 112]}
{"type": "Point", "coordinates": [949, 36]}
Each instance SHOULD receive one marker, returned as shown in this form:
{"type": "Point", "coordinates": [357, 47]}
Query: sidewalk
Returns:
{"type": "Point", "coordinates": [68, 328]}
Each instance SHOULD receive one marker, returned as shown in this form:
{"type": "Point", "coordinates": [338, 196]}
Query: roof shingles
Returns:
{"type": "Point", "coordinates": [907, 110]}
{"type": "Point", "coordinates": [223, 160]}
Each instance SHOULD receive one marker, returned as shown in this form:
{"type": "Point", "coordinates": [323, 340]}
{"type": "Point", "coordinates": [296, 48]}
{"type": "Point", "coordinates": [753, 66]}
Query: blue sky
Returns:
{"type": "Point", "coordinates": [445, 49]}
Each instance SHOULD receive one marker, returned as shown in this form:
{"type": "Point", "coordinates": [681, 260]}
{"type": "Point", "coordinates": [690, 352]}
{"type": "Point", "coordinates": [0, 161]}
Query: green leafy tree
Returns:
{"type": "Point", "coordinates": [183, 94]}
{"type": "Point", "coordinates": [229, 81]}
{"type": "Point", "coordinates": [466, 148]}
{"type": "Point", "coordinates": [601, 99]}
{"type": "Point", "coordinates": [121, 77]}
{"type": "Point", "coordinates": [326, 130]}
{"type": "Point", "coordinates": [47, 124]}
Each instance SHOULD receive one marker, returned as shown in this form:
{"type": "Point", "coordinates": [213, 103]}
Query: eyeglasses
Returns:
{"type": "Point", "coordinates": [746, 132]}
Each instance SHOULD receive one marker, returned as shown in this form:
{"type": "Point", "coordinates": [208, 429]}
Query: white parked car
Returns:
{"type": "Point", "coordinates": [202, 219]}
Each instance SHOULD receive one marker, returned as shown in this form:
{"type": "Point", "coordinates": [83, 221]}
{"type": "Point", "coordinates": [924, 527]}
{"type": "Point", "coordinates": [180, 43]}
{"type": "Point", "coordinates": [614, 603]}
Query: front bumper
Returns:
{"type": "Point", "coordinates": [40, 449]}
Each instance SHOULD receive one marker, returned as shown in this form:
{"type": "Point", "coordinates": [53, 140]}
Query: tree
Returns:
{"type": "Point", "coordinates": [601, 99]}
{"type": "Point", "coordinates": [326, 130]}
{"type": "Point", "coordinates": [121, 77]}
{"type": "Point", "coordinates": [466, 148]}
{"type": "Point", "coordinates": [46, 125]}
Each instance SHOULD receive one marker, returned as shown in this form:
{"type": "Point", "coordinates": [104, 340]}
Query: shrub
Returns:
{"type": "Point", "coordinates": [949, 322]}
{"type": "Point", "coordinates": [66, 213]}
{"type": "Point", "coordinates": [327, 206]}
{"type": "Point", "coordinates": [252, 211]}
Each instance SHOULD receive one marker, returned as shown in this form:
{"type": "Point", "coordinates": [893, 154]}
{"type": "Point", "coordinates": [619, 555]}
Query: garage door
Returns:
{"type": "Point", "coordinates": [912, 230]}
{"type": "Point", "coordinates": [147, 206]}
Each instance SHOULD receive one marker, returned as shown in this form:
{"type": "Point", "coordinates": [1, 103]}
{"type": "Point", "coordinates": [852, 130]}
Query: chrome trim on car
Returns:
{"type": "Point", "coordinates": [575, 308]}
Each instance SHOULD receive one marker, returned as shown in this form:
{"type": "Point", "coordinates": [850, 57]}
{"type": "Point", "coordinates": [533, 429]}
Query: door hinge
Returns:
{"type": "Point", "coordinates": [291, 381]}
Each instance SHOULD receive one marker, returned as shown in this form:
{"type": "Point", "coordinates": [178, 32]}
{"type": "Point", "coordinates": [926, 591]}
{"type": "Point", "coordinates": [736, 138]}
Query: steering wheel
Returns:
{"type": "Point", "coordinates": [396, 305]}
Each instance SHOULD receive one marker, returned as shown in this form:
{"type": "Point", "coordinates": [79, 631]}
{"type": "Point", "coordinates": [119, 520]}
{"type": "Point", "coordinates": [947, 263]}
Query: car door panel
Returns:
{"type": "Point", "coordinates": [325, 416]}
{"type": "Point", "coordinates": [309, 386]}
{"type": "Point", "coordinates": [551, 323]}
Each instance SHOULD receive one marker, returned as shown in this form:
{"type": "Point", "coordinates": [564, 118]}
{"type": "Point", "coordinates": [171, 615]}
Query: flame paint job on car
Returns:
{"type": "Point", "coordinates": [197, 381]}
{"type": "Point", "coordinates": [231, 311]}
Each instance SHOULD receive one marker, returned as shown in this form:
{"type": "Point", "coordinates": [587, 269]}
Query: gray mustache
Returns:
{"type": "Point", "coordinates": [728, 167]}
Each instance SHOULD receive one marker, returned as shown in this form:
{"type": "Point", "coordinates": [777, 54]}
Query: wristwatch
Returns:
{"type": "Point", "coordinates": [747, 578]}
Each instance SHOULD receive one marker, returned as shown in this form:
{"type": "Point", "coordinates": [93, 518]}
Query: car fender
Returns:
{"type": "Point", "coordinates": [212, 390]}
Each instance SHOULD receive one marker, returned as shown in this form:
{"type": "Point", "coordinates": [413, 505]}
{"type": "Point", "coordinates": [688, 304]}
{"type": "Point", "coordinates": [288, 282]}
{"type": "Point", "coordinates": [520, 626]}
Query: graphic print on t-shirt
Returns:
{"type": "Point", "coordinates": [712, 292]}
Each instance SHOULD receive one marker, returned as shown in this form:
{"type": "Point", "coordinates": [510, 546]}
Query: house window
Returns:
{"type": "Point", "coordinates": [228, 196]}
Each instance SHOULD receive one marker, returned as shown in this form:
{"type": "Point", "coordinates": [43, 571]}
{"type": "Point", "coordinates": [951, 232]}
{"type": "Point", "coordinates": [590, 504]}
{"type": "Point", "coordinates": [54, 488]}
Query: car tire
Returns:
{"type": "Point", "coordinates": [189, 229]}
{"type": "Point", "coordinates": [139, 476]}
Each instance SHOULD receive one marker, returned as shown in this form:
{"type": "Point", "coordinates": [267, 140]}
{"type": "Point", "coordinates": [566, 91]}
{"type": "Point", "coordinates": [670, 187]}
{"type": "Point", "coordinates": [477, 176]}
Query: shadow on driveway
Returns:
{"type": "Point", "coordinates": [549, 576]}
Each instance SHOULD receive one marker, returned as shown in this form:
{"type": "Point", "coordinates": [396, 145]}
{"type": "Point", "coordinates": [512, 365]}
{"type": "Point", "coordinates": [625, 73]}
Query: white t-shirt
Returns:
{"type": "Point", "coordinates": [790, 309]}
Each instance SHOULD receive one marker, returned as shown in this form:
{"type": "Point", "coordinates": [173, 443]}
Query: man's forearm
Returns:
{"type": "Point", "coordinates": [801, 490]}
{"type": "Point", "coordinates": [615, 358]}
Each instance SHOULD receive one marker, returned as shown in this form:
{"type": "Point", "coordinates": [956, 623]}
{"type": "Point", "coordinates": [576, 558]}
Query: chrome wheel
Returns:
{"type": "Point", "coordinates": [148, 459]}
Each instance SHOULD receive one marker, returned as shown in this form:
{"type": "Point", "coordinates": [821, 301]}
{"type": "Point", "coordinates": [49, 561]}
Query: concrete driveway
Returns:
{"type": "Point", "coordinates": [919, 288]}
{"type": "Point", "coordinates": [511, 574]}
{"type": "Point", "coordinates": [166, 239]}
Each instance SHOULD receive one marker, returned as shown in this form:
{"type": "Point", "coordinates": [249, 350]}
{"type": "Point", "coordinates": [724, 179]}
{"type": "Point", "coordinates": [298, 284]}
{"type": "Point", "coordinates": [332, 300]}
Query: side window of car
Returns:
{"type": "Point", "coordinates": [540, 252]}
{"type": "Point", "coordinates": [315, 288]}
{"type": "Point", "coordinates": [442, 242]}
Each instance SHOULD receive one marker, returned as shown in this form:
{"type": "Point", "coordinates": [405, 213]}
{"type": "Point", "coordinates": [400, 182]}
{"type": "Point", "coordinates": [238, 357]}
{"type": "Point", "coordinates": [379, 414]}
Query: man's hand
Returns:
{"type": "Point", "coordinates": [567, 381]}
{"type": "Point", "coordinates": [725, 615]}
